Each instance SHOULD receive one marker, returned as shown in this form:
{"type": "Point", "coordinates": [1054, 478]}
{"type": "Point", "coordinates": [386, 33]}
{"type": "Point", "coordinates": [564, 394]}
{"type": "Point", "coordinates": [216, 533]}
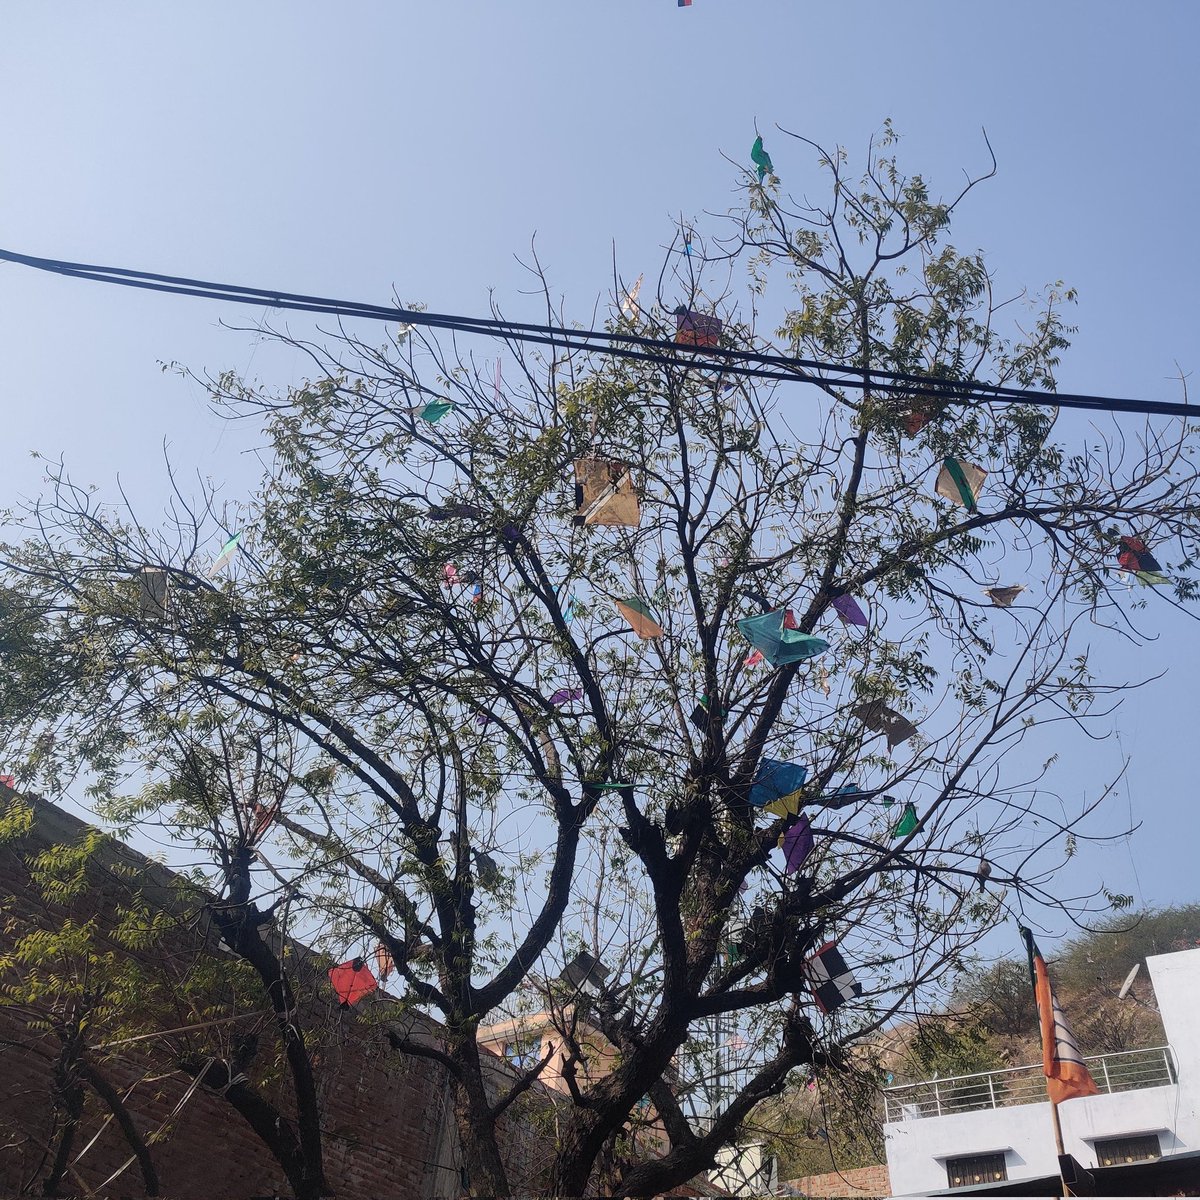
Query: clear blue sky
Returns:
{"type": "Point", "coordinates": [348, 149]}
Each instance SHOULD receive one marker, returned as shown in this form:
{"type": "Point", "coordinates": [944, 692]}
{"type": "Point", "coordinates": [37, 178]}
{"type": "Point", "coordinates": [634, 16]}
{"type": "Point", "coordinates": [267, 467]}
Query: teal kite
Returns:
{"type": "Point", "coordinates": [227, 552]}
{"type": "Point", "coordinates": [908, 821]}
{"type": "Point", "coordinates": [436, 410]}
{"type": "Point", "coordinates": [776, 636]}
{"type": "Point", "coordinates": [761, 159]}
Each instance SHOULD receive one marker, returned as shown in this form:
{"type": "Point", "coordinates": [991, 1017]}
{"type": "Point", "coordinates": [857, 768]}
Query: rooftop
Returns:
{"type": "Point", "coordinates": [1124, 1071]}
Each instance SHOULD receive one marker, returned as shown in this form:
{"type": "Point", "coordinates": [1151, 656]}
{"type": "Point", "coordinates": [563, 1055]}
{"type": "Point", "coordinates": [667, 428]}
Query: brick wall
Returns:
{"type": "Point", "coordinates": [387, 1117]}
{"type": "Point", "coordinates": [860, 1181]}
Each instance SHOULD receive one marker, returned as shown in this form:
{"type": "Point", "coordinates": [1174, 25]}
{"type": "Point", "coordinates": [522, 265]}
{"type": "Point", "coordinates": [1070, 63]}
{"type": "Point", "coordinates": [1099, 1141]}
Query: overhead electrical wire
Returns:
{"type": "Point", "coordinates": [630, 346]}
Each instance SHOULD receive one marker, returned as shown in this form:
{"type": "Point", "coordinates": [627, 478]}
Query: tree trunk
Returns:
{"type": "Point", "coordinates": [577, 1150]}
{"type": "Point", "coordinates": [68, 1102]}
{"type": "Point", "coordinates": [275, 1130]}
{"type": "Point", "coordinates": [111, 1097]}
{"type": "Point", "coordinates": [657, 1175]}
{"type": "Point", "coordinates": [486, 1175]}
{"type": "Point", "coordinates": [238, 922]}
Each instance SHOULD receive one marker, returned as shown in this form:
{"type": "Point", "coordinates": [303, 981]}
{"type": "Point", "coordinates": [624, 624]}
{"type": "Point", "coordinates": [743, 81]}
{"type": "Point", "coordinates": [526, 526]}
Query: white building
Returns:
{"type": "Point", "coordinates": [746, 1170]}
{"type": "Point", "coordinates": [972, 1131]}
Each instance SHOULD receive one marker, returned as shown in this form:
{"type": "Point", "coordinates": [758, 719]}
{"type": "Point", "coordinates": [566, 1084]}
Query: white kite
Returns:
{"type": "Point", "coordinates": [629, 305]}
{"type": "Point", "coordinates": [225, 557]}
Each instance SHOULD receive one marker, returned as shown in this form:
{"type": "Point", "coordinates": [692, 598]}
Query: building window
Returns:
{"type": "Point", "coordinates": [1115, 1152]}
{"type": "Point", "coordinates": [979, 1168]}
{"type": "Point", "coordinates": [523, 1054]}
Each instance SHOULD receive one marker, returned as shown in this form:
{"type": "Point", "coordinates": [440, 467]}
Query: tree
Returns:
{"type": "Point", "coordinates": [105, 953]}
{"type": "Point", "coordinates": [816, 1127]}
{"type": "Point", "coordinates": [64, 985]}
{"type": "Point", "coordinates": [486, 772]}
{"type": "Point", "coordinates": [999, 999]}
{"type": "Point", "coordinates": [1099, 958]}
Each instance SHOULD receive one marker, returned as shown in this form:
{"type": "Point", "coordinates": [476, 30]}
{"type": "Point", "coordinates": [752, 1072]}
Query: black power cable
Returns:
{"type": "Point", "coordinates": [658, 351]}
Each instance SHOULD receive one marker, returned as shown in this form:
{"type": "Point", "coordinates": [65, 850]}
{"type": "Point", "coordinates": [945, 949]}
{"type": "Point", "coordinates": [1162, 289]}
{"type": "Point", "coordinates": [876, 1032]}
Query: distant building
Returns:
{"type": "Point", "coordinates": [993, 1132]}
{"type": "Point", "coordinates": [746, 1169]}
{"type": "Point", "coordinates": [526, 1040]}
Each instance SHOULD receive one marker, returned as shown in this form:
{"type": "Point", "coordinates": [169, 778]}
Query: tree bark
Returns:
{"type": "Point", "coordinates": [105, 1090]}
{"type": "Point", "coordinates": [237, 922]}
{"type": "Point", "coordinates": [486, 1174]}
{"type": "Point", "coordinates": [68, 1101]}
{"type": "Point", "coordinates": [272, 1127]}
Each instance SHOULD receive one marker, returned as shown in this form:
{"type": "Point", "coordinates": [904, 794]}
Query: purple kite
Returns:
{"type": "Point", "coordinates": [566, 695]}
{"type": "Point", "coordinates": [848, 609]}
{"type": "Point", "coordinates": [696, 329]}
{"type": "Point", "coordinates": [797, 845]}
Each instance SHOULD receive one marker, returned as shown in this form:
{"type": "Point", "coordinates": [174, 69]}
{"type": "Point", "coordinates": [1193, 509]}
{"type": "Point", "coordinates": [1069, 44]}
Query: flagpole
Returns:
{"type": "Point", "coordinates": [1044, 1004]}
{"type": "Point", "coordinates": [1058, 1144]}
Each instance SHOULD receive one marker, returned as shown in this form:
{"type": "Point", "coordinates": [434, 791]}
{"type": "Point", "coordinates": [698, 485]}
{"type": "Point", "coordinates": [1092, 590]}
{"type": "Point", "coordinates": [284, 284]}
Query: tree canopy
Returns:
{"type": "Point", "coordinates": [504, 663]}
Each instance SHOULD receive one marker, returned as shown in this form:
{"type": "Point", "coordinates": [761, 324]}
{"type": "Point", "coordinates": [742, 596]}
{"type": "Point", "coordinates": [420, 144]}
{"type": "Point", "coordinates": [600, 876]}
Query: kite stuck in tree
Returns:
{"type": "Point", "coordinates": [585, 973]}
{"type": "Point", "coordinates": [226, 556]}
{"type": "Point", "coordinates": [908, 821]}
{"type": "Point", "coordinates": [383, 962]}
{"type": "Point", "coordinates": [604, 493]}
{"type": "Point", "coordinates": [639, 616]}
{"type": "Point", "coordinates": [786, 806]}
{"type": "Point", "coordinates": [1003, 597]}
{"type": "Point", "coordinates": [262, 817]}
{"type": "Point", "coordinates": [435, 410]}
{"type": "Point", "coordinates": [830, 978]}
{"type": "Point", "coordinates": [629, 304]}
{"type": "Point", "coordinates": [1135, 556]}
{"type": "Point", "coordinates": [922, 410]}
{"type": "Point", "coordinates": [352, 981]}
{"type": "Point", "coordinates": [702, 715]}
{"type": "Point", "coordinates": [797, 844]}
{"type": "Point", "coordinates": [849, 610]}
{"type": "Point", "coordinates": [776, 637]}
{"type": "Point", "coordinates": [877, 716]}
{"type": "Point", "coordinates": [696, 329]}
{"type": "Point", "coordinates": [761, 159]}
{"type": "Point", "coordinates": [960, 482]}
{"type": "Point", "coordinates": [776, 780]}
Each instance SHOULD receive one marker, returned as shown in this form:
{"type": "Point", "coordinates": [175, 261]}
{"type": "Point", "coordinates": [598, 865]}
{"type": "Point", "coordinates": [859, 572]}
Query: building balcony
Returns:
{"type": "Point", "coordinates": [1124, 1071]}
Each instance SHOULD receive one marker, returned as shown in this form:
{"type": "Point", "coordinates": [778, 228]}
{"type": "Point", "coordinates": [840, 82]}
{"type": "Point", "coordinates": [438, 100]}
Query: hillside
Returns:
{"type": "Point", "coordinates": [991, 1024]}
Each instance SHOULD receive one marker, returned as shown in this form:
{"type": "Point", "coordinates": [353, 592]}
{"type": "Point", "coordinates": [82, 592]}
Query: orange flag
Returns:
{"type": "Point", "coordinates": [1067, 1076]}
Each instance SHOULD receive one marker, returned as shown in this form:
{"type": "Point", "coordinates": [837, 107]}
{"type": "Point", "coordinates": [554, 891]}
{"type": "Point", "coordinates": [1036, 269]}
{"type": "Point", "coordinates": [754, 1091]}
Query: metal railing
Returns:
{"type": "Point", "coordinates": [1121, 1072]}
